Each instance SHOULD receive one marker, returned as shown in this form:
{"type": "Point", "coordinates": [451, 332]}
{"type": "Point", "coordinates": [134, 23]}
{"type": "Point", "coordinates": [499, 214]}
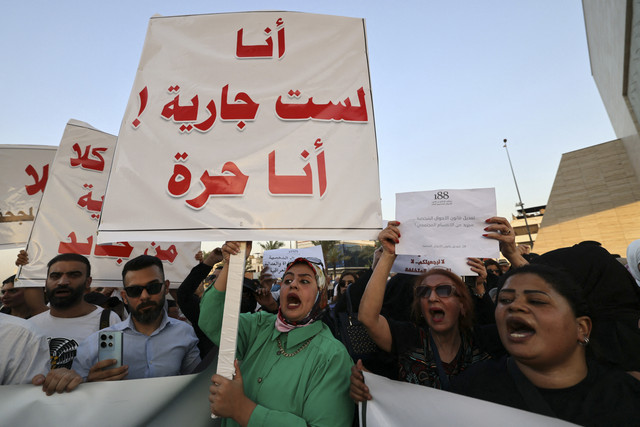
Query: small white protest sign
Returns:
{"type": "Point", "coordinates": [277, 259]}
{"type": "Point", "coordinates": [447, 225]}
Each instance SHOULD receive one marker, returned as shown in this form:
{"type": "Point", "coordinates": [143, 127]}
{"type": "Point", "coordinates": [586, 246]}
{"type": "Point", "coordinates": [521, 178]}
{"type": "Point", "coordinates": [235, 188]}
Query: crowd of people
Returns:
{"type": "Point", "coordinates": [556, 334]}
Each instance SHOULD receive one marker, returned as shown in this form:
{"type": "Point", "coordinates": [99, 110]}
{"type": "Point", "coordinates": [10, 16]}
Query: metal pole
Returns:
{"type": "Point", "coordinates": [524, 214]}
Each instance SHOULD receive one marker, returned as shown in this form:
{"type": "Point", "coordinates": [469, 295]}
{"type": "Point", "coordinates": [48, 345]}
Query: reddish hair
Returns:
{"type": "Point", "coordinates": [465, 321]}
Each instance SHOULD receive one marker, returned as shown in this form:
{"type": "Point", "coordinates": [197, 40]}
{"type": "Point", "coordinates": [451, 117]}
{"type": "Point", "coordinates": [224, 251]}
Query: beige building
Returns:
{"type": "Point", "coordinates": [596, 192]}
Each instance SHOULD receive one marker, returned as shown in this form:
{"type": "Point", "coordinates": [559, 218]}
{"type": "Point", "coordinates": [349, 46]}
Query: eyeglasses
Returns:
{"type": "Point", "coordinates": [136, 291]}
{"type": "Point", "coordinates": [443, 291]}
{"type": "Point", "coordinates": [493, 270]}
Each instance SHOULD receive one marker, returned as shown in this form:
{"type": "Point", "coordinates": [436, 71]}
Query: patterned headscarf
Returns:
{"type": "Point", "coordinates": [320, 304]}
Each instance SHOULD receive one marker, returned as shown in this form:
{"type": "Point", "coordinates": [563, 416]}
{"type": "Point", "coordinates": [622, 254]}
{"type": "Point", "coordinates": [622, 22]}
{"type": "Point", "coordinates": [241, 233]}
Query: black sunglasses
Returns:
{"type": "Point", "coordinates": [136, 291]}
{"type": "Point", "coordinates": [308, 260]}
{"type": "Point", "coordinates": [443, 291]}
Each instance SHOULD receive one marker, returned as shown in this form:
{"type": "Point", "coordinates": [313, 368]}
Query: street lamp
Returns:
{"type": "Point", "coordinates": [524, 214]}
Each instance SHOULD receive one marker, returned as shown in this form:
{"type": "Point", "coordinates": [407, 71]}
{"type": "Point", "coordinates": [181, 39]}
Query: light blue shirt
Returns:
{"type": "Point", "coordinates": [170, 350]}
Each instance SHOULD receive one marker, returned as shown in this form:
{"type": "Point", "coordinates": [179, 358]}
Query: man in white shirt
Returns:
{"type": "Point", "coordinates": [24, 358]}
{"type": "Point", "coordinates": [70, 319]}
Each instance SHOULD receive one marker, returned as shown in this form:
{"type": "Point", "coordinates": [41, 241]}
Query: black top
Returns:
{"type": "Point", "coordinates": [416, 359]}
{"type": "Point", "coordinates": [189, 304]}
{"type": "Point", "coordinates": [606, 397]}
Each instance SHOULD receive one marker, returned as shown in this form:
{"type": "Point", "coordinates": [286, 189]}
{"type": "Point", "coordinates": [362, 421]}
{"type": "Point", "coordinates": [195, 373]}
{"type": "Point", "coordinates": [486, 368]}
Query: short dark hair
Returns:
{"type": "Point", "coordinates": [488, 262]}
{"type": "Point", "coordinates": [141, 262]}
{"type": "Point", "coordinates": [561, 281]}
{"type": "Point", "coordinates": [70, 257]}
{"type": "Point", "coordinates": [9, 279]}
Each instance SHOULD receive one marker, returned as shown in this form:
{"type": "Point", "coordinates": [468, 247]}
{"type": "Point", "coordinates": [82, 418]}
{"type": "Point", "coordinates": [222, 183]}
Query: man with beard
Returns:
{"type": "Point", "coordinates": [153, 344]}
{"type": "Point", "coordinates": [70, 319]}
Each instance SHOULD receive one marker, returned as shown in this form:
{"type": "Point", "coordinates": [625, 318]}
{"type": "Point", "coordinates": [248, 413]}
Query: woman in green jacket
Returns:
{"type": "Point", "coordinates": [292, 371]}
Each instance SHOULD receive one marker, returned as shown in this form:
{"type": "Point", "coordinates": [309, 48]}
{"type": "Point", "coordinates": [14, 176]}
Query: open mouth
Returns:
{"type": "Point", "coordinates": [437, 314]}
{"type": "Point", "coordinates": [519, 329]}
{"type": "Point", "coordinates": [293, 301]}
{"type": "Point", "coordinates": [62, 292]}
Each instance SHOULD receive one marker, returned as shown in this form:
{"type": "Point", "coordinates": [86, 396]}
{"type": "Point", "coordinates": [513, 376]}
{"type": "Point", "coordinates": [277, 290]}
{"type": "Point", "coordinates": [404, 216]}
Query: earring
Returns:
{"type": "Point", "coordinates": [585, 342]}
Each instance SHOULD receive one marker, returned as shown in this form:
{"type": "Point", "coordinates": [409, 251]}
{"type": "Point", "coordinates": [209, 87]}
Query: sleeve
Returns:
{"type": "Point", "coordinates": [29, 356]}
{"type": "Point", "coordinates": [185, 297]}
{"type": "Point", "coordinates": [192, 356]}
{"type": "Point", "coordinates": [404, 335]}
{"type": "Point", "coordinates": [327, 401]}
{"type": "Point", "coordinates": [211, 310]}
{"type": "Point", "coordinates": [356, 291]}
{"type": "Point", "coordinates": [86, 355]}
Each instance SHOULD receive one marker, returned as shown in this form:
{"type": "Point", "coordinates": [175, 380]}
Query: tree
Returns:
{"type": "Point", "coordinates": [366, 255]}
{"type": "Point", "coordinates": [276, 244]}
{"type": "Point", "coordinates": [331, 252]}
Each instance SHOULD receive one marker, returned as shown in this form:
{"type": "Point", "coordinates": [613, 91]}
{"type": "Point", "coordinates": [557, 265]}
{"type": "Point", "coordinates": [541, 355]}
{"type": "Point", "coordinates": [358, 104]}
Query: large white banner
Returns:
{"type": "Point", "coordinates": [251, 126]}
{"type": "Point", "coordinates": [445, 227]}
{"type": "Point", "coordinates": [24, 170]}
{"type": "Point", "coordinates": [68, 217]}
{"type": "Point", "coordinates": [177, 401]}
{"type": "Point", "coordinates": [396, 403]}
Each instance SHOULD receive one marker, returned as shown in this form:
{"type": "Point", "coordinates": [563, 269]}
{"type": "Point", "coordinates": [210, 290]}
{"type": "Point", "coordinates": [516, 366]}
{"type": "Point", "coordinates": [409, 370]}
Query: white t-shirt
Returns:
{"type": "Point", "coordinates": [24, 351]}
{"type": "Point", "coordinates": [75, 328]}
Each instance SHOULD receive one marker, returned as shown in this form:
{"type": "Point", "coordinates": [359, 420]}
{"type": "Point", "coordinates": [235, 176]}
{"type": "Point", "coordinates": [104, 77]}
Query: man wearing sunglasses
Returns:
{"type": "Point", "coordinates": [154, 344]}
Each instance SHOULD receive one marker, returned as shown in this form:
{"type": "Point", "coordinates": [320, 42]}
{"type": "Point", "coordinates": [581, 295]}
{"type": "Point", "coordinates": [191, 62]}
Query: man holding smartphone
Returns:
{"type": "Point", "coordinates": [153, 344]}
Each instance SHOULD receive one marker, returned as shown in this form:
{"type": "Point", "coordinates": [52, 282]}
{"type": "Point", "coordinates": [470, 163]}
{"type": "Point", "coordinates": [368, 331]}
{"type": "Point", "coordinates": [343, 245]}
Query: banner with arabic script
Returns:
{"type": "Point", "coordinates": [24, 170]}
{"type": "Point", "coordinates": [251, 126]}
{"type": "Point", "coordinates": [70, 209]}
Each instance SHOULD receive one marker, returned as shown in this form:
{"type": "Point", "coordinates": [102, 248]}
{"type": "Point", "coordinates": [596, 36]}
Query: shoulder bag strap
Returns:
{"type": "Point", "coordinates": [104, 318]}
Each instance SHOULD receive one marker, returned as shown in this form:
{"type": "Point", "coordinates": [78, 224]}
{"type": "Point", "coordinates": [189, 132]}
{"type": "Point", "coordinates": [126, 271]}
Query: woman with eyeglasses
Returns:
{"type": "Point", "coordinates": [292, 371]}
{"type": "Point", "coordinates": [345, 280]}
{"type": "Point", "coordinates": [439, 343]}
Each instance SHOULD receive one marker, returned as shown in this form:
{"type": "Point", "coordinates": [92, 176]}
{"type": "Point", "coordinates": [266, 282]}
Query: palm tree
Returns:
{"type": "Point", "coordinates": [331, 252]}
{"type": "Point", "coordinates": [276, 244]}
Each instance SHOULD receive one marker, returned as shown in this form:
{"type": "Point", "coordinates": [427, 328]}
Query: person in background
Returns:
{"type": "Point", "coordinates": [346, 279]}
{"type": "Point", "coordinates": [188, 299]}
{"type": "Point", "coordinates": [504, 264]}
{"type": "Point", "coordinates": [13, 301]}
{"type": "Point", "coordinates": [633, 260]}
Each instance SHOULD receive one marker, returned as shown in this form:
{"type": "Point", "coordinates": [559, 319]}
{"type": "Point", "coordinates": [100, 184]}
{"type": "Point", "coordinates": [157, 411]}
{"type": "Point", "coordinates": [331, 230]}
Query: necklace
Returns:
{"type": "Point", "coordinates": [285, 354]}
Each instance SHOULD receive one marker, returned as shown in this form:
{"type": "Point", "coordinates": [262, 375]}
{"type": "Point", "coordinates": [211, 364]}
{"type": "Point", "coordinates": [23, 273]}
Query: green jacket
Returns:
{"type": "Point", "coordinates": [310, 388]}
